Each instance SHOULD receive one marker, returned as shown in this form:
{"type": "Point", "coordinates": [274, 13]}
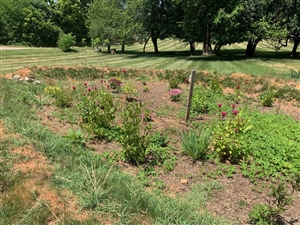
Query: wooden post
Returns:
{"type": "Point", "coordinates": [189, 103]}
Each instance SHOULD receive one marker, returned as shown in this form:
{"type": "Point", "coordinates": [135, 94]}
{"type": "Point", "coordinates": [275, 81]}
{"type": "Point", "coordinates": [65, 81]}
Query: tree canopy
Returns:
{"type": "Point", "coordinates": [210, 22]}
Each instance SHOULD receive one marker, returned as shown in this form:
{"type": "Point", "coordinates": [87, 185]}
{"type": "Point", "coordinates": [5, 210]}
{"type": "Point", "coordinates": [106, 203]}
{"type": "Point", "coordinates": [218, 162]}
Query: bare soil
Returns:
{"type": "Point", "coordinates": [238, 195]}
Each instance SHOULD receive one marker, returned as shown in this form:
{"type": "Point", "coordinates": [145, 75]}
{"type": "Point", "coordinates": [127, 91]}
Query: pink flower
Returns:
{"type": "Point", "coordinates": [187, 80]}
{"type": "Point", "coordinates": [124, 71]}
{"type": "Point", "coordinates": [74, 87]}
{"type": "Point", "coordinates": [89, 89]}
{"type": "Point", "coordinates": [175, 92]}
{"type": "Point", "coordinates": [143, 116]}
{"type": "Point", "coordinates": [101, 75]}
{"type": "Point", "coordinates": [238, 87]}
{"type": "Point", "coordinates": [84, 94]}
{"type": "Point", "coordinates": [223, 114]}
{"type": "Point", "coordinates": [95, 88]}
{"type": "Point", "coordinates": [235, 112]}
{"type": "Point", "coordinates": [233, 106]}
{"type": "Point", "coordinates": [246, 82]}
{"type": "Point", "coordinates": [107, 86]}
{"type": "Point", "coordinates": [219, 105]}
{"type": "Point", "coordinates": [48, 117]}
{"type": "Point", "coordinates": [101, 81]}
{"type": "Point", "coordinates": [85, 84]}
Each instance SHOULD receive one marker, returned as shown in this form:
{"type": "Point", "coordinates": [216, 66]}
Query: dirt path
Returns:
{"type": "Point", "coordinates": [10, 47]}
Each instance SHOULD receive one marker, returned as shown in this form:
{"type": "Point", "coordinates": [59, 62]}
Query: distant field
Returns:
{"type": "Point", "coordinates": [231, 60]}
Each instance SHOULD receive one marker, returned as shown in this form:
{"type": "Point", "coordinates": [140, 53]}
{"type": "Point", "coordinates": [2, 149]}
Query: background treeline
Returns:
{"type": "Point", "coordinates": [214, 23]}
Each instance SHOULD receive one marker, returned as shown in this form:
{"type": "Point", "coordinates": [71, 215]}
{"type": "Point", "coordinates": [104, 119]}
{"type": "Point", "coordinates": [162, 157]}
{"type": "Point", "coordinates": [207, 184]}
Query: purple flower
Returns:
{"type": "Point", "coordinates": [235, 112]}
{"type": "Point", "coordinates": [219, 105]}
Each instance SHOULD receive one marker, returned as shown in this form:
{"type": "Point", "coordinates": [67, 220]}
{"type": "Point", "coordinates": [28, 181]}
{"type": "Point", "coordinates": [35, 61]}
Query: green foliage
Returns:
{"type": "Point", "coordinates": [159, 139]}
{"type": "Point", "coordinates": [174, 82]}
{"type": "Point", "coordinates": [215, 85]}
{"type": "Point", "coordinates": [96, 112]}
{"type": "Point", "coordinates": [195, 143]}
{"type": "Point", "coordinates": [65, 41]}
{"type": "Point", "coordinates": [278, 136]}
{"type": "Point", "coordinates": [135, 130]}
{"type": "Point", "coordinates": [229, 135]}
{"type": "Point", "coordinates": [267, 98]}
{"type": "Point", "coordinates": [76, 136]}
{"type": "Point", "coordinates": [63, 98]}
{"type": "Point", "coordinates": [288, 93]}
{"type": "Point", "coordinates": [129, 91]}
{"type": "Point", "coordinates": [268, 213]}
{"type": "Point", "coordinates": [295, 74]}
{"type": "Point", "coordinates": [205, 100]}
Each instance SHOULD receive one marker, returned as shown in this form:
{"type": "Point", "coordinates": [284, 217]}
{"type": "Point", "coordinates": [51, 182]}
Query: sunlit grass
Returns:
{"type": "Point", "coordinates": [173, 55]}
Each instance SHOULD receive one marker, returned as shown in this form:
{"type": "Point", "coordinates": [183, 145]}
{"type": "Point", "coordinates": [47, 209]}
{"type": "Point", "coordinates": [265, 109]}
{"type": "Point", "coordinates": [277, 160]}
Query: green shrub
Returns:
{"type": "Point", "coordinates": [267, 98]}
{"type": "Point", "coordinates": [195, 143]}
{"type": "Point", "coordinates": [135, 130]}
{"type": "Point", "coordinates": [96, 110]}
{"type": "Point", "coordinates": [228, 136]}
{"type": "Point", "coordinates": [65, 41]}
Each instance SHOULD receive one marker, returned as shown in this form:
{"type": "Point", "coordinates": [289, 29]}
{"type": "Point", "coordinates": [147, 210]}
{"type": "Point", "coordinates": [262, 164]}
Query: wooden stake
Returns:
{"type": "Point", "coordinates": [189, 103]}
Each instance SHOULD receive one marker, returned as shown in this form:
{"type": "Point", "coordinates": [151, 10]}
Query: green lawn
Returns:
{"type": "Point", "coordinates": [231, 60]}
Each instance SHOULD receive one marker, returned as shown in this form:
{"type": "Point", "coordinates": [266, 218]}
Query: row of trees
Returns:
{"type": "Point", "coordinates": [211, 22]}
{"type": "Point", "coordinates": [39, 22]}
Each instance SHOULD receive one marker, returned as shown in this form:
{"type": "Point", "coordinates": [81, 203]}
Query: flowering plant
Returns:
{"type": "Point", "coordinates": [175, 94]}
{"type": "Point", "coordinates": [114, 83]}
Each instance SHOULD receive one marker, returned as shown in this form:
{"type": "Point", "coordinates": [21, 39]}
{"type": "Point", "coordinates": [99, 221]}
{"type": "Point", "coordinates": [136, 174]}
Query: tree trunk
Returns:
{"type": "Point", "coordinates": [123, 48]}
{"type": "Point", "coordinates": [146, 42]}
{"type": "Point", "coordinates": [217, 49]}
{"type": "Point", "coordinates": [251, 46]}
{"type": "Point", "coordinates": [108, 48]}
{"type": "Point", "coordinates": [206, 50]}
{"type": "Point", "coordinates": [192, 48]}
{"type": "Point", "coordinates": [154, 41]}
{"type": "Point", "coordinates": [294, 51]}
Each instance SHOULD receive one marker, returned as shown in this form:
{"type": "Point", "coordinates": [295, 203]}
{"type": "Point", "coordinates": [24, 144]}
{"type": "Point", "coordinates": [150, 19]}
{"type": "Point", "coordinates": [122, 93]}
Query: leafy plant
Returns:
{"type": "Point", "coordinates": [135, 130]}
{"type": "Point", "coordinates": [63, 98]}
{"type": "Point", "coordinates": [115, 84]}
{"type": "Point", "coordinates": [96, 110]}
{"type": "Point", "coordinates": [229, 134]}
{"type": "Point", "coordinates": [76, 136]}
{"type": "Point", "coordinates": [269, 213]}
{"type": "Point", "coordinates": [65, 41]}
{"type": "Point", "coordinates": [195, 143]}
{"type": "Point", "coordinates": [267, 98]}
{"type": "Point", "coordinates": [215, 85]}
{"type": "Point", "coordinates": [129, 91]}
{"type": "Point", "coordinates": [174, 82]}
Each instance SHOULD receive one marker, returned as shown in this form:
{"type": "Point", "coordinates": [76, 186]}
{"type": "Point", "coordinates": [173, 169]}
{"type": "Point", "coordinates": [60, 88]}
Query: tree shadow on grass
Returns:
{"type": "Point", "coordinates": [225, 55]}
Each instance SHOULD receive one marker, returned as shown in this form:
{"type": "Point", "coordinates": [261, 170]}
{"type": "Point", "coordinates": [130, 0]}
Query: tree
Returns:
{"type": "Point", "coordinates": [70, 16]}
{"type": "Point", "coordinates": [116, 21]}
{"type": "Point", "coordinates": [159, 20]}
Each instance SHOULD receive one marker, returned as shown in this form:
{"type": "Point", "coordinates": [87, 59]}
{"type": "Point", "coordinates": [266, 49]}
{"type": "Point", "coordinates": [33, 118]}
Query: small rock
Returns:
{"type": "Point", "coordinates": [37, 82]}
{"type": "Point", "coordinates": [16, 77]}
{"type": "Point", "coordinates": [184, 181]}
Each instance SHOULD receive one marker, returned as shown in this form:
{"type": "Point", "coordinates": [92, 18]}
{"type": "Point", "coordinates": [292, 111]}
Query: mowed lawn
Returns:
{"type": "Point", "coordinates": [173, 55]}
